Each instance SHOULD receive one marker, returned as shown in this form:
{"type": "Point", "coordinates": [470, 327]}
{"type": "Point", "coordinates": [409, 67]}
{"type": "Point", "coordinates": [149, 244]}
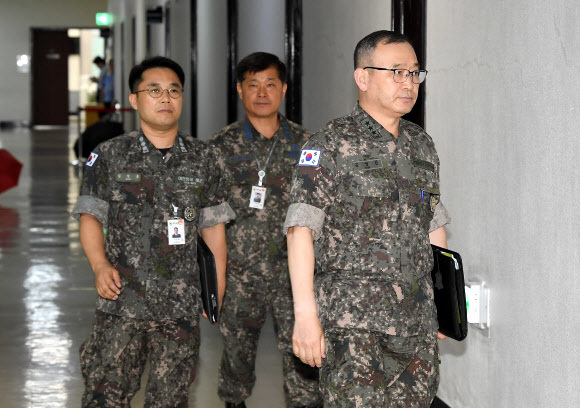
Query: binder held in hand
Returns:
{"type": "Point", "coordinates": [449, 289]}
{"type": "Point", "coordinates": [208, 278]}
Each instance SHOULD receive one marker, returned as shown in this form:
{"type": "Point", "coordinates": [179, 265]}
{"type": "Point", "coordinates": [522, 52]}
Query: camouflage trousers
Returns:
{"type": "Point", "coordinates": [252, 292]}
{"type": "Point", "coordinates": [114, 357]}
{"type": "Point", "coordinates": [367, 369]}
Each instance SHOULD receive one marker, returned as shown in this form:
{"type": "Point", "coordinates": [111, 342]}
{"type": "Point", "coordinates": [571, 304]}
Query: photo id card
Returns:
{"type": "Point", "coordinates": [176, 231]}
{"type": "Point", "coordinates": [257, 197]}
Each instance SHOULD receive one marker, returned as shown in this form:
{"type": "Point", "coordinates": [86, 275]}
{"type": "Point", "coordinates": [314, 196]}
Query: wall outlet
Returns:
{"type": "Point", "coordinates": [477, 296]}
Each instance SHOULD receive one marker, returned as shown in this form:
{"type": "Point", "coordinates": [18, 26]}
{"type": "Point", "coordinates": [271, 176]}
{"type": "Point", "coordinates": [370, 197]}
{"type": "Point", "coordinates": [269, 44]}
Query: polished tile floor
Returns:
{"type": "Point", "coordinates": [47, 295]}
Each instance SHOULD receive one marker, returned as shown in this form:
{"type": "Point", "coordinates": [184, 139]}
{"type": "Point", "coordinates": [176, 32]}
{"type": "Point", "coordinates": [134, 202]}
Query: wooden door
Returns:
{"type": "Point", "coordinates": [50, 51]}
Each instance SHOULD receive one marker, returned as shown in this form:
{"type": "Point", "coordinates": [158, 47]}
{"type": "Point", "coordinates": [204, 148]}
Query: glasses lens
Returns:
{"type": "Point", "coordinates": [174, 92]}
{"type": "Point", "coordinates": [400, 75]}
{"type": "Point", "coordinates": [419, 76]}
{"type": "Point", "coordinates": [155, 92]}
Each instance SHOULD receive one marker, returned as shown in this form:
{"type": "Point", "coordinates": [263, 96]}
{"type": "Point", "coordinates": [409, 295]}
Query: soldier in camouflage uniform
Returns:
{"type": "Point", "coordinates": [365, 207]}
{"type": "Point", "coordinates": [141, 187]}
{"type": "Point", "coordinates": [257, 276]}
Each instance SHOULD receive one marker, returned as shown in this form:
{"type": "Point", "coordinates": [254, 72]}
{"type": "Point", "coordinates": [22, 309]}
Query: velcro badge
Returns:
{"type": "Point", "coordinates": [309, 157]}
{"type": "Point", "coordinates": [92, 159]}
{"type": "Point", "coordinates": [128, 177]}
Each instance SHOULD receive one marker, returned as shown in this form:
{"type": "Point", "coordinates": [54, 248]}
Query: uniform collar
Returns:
{"type": "Point", "coordinates": [281, 134]}
{"type": "Point", "coordinates": [376, 131]}
{"type": "Point", "coordinates": [145, 145]}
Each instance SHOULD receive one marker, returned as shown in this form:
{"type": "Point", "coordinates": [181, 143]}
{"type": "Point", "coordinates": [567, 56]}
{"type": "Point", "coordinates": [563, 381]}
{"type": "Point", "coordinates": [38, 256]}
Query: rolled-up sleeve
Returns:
{"type": "Point", "coordinates": [210, 216]}
{"type": "Point", "coordinates": [440, 217]}
{"type": "Point", "coordinates": [305, 215]}
{"type": "Point", "coordinates": [93, 206]}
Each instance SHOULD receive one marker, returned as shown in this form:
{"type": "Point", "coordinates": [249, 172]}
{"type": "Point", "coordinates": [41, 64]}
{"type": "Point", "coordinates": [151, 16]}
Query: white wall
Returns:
{"type": "Point", "coordinates": [181, 53]}
{"type": "Point", "coordinates": [212, 67]}
{"type": "Point", "coordinates": [503, 108]}
{"type": "Point", "coordinates": [16, 19]}
{"type": "Point", "coordinates": [332, 28]}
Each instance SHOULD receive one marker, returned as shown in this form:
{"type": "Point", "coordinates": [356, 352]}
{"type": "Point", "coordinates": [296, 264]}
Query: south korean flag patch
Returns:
{"type": "Point", "coordinates": [92, 159]}
{"type": "Point", "coordinates": [309, 157]}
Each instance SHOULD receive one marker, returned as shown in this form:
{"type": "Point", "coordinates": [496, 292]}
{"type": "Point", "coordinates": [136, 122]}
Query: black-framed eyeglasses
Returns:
{"type": "Point", "coordinates": [401, 75]}
{"type": "Point", "coordinates": [157, 92]}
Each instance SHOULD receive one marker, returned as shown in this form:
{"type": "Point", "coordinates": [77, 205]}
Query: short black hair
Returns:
{"type": "Point", "coordinates": [258, 62]}
{"type": "Point", "coordinates": [367, 45]}
{"type": "Point", "coordinates": [136, 74]}
{"type": "Point", "coordinates": [98, 60]}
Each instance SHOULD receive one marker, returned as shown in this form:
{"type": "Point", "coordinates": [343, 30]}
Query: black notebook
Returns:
{"type": "Point", "coordinates": [208, 277]}
{"type": "Point", "coordinates": [449, 288]}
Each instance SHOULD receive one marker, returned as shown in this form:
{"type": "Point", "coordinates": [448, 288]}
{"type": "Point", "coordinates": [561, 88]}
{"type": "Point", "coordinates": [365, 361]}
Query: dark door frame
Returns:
{"type": "Point", "coordinates": [193, 65]}
{"type": "Point", "coordinates": [409, 17]}
{"type": "Point", "coordinates": [232, 100]}
{"type": "Point", "coordinates": [293, 49]}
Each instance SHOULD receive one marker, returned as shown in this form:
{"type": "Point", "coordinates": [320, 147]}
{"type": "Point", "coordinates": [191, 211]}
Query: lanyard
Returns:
{"type": "Point", "coordinates": [262, 170]}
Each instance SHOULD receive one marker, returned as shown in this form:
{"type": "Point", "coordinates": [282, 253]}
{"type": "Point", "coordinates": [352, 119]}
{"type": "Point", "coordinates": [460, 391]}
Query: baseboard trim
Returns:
{"type": "Point", "coordinates": [11, 124]}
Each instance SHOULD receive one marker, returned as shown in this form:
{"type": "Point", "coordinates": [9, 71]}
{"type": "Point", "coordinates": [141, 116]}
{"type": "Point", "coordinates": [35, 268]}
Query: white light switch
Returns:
{"type": "Point", "coordinates": [477, 296]}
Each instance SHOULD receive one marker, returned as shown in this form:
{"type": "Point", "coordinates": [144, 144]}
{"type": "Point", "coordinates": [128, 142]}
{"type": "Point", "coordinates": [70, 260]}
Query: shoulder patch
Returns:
{"type": "Point", "coordinates": [92, 159]}
{"type": "Point", "coordinates": [309, 157]}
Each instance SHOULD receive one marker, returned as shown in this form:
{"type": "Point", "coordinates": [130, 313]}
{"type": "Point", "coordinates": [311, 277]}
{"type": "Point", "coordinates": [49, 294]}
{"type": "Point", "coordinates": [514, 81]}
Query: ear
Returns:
{"type": "Point", "coordinates": [239, 88]}
{"type": "Point", "coordinates": [284, 89]}
{"type": "Point", "coordinates": [361, 78]}
{"type": "Point", "coordinates": [133, 100]}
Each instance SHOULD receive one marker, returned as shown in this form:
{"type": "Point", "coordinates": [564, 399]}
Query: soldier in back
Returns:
{"type": "Point", "coordinates": [261, 151]}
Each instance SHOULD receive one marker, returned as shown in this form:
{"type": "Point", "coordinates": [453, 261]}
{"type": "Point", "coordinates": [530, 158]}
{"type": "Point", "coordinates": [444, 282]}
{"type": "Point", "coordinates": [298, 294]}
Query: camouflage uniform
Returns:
{"type": "Point", "coordinates": [372, 201]}
{"type": "Point", "coordinates": [131, 189]}
{"type": "Point", "coordinates": [257, 275]}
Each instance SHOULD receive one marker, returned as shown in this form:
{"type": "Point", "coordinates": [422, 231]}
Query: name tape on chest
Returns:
{"type": "Point", "coordinates": [309, 157]}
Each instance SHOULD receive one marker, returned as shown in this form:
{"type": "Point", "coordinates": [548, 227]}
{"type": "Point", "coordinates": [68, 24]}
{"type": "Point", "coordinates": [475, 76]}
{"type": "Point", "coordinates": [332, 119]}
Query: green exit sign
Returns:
{"type": "Point", "coordinates": [103, 19]}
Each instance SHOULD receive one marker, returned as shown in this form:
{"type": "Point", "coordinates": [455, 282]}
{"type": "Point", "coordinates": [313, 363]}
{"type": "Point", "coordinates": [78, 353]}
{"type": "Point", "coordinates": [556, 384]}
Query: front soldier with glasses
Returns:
{"type": "Point", "coordinates": [153, 190]}
{"type": "Point", "coordinates": [365, 206]}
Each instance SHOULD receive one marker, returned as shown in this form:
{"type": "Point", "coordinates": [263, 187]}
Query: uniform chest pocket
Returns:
{"type": "Point", "coordinates": [189, 198]}
{"type": "Point", "coordinates": [129, 192]}
{"type": "Point", "coordinates": [368, 199]}
{"type": "Point", "coordinates": [424, 200]}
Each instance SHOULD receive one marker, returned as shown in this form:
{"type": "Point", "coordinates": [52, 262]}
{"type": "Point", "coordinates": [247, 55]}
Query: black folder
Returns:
{"type": "Point", "coordinates": [449, 288]}
{"type": "Point", "coordinates": [208, 278]}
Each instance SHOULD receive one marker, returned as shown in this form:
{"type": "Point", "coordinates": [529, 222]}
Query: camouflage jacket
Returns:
{"type": "Point", "coordinates": [258, 233]}
{"type": "Point", "coordinates": [371, 200]}
{"type": "Point", "coordinates": [131, 189]}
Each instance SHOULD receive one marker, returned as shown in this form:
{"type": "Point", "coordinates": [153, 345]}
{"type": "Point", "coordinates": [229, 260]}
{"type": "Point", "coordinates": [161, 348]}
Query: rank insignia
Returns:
{"type": "Point", "coordinates": [189, 213]}
{"type": "Point", "coordinates": [309, 157]}
{"type": "Point", "coordinates": [434, 201]}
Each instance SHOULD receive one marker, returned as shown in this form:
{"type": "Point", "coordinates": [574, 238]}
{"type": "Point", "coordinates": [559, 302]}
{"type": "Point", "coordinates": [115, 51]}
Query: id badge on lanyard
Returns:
{"type": "Point", "coordinates": [176, 229]}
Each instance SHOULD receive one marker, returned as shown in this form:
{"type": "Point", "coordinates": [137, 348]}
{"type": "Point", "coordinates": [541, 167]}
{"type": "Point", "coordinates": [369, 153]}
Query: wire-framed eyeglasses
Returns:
{"type": "Point", "coordinates": [401, 75]}
{"type": "Point", "coordinates": [157, 92]}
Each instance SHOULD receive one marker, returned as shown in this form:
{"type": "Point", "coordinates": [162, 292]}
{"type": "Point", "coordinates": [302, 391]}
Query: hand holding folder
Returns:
{"type": "Point", "coordinates": [449, 289]}
{"type": "Point", "coordinates": [208, 278]}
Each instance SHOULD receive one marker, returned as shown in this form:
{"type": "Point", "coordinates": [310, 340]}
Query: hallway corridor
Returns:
{"type": "Point", "coordinates": [47, 296]}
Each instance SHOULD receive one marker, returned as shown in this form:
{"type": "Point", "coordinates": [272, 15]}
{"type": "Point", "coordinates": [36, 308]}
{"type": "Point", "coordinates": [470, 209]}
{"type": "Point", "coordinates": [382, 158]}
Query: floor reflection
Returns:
{"type": "Point", "coordinates": [9, 220]}
{"type": "Point", "coordinates": [48, 343]}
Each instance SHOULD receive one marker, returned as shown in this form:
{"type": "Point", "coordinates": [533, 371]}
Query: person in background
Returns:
{"type": "Point", "coordinates": [109, 85]}
{"type": "Point", "coordinates": [100, 63]}
{"type": "Point", "coordinates": [365, 207]}
{"type": "Point", "coordinates": [261, 151]}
